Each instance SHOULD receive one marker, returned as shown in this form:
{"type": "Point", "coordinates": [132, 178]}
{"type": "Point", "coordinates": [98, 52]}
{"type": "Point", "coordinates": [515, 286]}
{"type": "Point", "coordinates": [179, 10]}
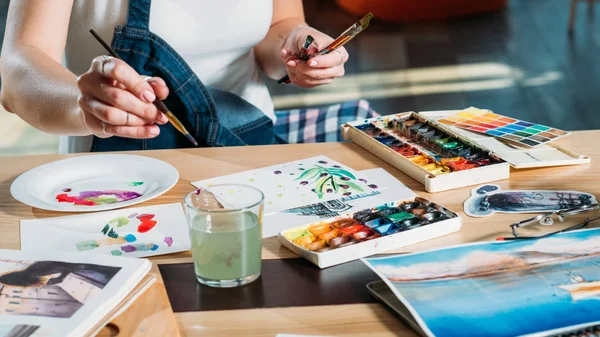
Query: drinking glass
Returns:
{"type": "Point", "coordinates": [225, 223]}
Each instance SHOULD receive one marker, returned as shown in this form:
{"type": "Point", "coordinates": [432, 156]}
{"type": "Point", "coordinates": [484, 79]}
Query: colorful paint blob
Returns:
{"type": "Point", "coordinates": [139, 247]}
{"type": "Point", "coordinates": [94, 198]}
{"type": "Point", "coordinates": [116, 252]}
{"type": "Point", "coordinates": [130, 238]}
{"type": "Point", "coordinates": [135, 183]}
{"type": "Point", "coordinates": [168, 240]}
{"type": "Point", "coordinates": [119, 222]}
{"type": "Point", "coordinates": [146, 222]}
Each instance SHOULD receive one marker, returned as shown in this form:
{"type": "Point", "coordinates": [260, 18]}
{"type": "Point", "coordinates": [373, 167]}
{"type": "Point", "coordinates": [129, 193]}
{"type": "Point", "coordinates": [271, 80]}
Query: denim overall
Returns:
{"type": "Point", "coordinates": [214, 117]}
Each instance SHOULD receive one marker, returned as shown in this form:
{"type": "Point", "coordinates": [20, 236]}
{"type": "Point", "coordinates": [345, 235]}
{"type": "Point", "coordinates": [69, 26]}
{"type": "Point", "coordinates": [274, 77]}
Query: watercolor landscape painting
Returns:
{"type": "Point", "coordinates": [137, 232]}
{"type": "Point", "coordinates": [488, 199]}
{"type": "Point", "coordinates": [50, 288]}
{"type": "Point", "coordinates": [501, 288]}
{"type": "Point", "coordinates": [298, 183]}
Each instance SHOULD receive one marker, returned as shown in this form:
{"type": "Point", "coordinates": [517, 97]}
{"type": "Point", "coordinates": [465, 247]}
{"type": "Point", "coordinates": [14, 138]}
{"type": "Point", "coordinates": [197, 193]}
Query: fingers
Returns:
{"type": "Point", "coordinates": [159, 86]}
{"type": "Point", "coordinates": [121, 72]}
{"type": "Point", "coordinates": [305, 76]}
{"type": "Point", "coordinates": [333, 59]}
{"type": "Point", "coordinates": [107, 113]}
{"type": "Point", "coordinates": [97, 86]}
{"type": "Point", "coordinates": [139, 132]}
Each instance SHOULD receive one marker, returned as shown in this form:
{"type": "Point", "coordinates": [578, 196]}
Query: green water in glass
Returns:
{"type": "Point", "coordinates": [226, 246]}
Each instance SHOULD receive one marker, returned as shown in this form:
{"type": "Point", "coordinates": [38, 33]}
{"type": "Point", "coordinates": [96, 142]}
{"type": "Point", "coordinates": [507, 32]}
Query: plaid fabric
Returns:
{"type": "Point", "coordinates": [317, 125]}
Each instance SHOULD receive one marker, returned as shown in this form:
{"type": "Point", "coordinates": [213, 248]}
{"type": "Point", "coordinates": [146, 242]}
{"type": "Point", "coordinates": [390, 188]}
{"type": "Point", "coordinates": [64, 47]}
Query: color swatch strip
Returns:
{"type": "Point", "coordinates": [511, 129]}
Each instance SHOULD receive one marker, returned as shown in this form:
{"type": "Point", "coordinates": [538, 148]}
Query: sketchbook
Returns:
{"type": "Point", "coordinates": [54, 294]}
{"type": "Point", "coordinates": [544, 287]}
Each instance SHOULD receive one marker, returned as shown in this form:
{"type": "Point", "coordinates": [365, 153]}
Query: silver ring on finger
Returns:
{"type": "Point", "coordinates": [105, 59]}
{"type": "Point", "coordinates": [104, 127]}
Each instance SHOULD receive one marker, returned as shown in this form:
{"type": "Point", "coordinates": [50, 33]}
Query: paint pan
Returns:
{"type": "Point", "coordinates": [370, 231]}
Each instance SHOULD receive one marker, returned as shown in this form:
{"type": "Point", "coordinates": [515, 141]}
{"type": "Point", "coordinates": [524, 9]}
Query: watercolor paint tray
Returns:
{"type": "Point", "coordinates": [444, 167]}
{"type": "Point", "coordinates": [370, 231]}
{"type": "Point", "coordinates": [545, 155]}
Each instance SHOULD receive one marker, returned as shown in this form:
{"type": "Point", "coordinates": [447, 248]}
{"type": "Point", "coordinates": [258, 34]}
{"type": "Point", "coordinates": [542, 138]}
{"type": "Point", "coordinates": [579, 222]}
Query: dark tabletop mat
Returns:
{"type": "Point", "coordinates": [283, 283]}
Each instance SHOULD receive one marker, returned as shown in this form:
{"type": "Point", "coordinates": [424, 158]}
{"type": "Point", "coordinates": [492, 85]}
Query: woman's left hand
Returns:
{"type": "Point", "coordinates": [317, 70]}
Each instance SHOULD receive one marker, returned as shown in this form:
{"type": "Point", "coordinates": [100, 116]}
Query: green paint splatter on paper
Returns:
{"type": "Point", "coordinates": [119, 222]}
{"type": "Point", "coordinates": [136, 183]}
{"type": "Point", "coordinates": [116, 253]}
{"type": "Point", "coordinates": [87, 245]}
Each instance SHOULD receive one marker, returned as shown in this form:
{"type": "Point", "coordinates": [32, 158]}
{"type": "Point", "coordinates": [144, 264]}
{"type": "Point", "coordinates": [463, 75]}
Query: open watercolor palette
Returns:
{"type": "Point", "coordinates": [443, 157]}
{"type": "Point", "coordinates": [370, 231]}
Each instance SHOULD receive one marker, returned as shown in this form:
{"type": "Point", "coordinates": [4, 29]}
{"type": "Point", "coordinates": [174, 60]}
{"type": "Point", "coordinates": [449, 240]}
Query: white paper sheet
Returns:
{"type": "Point", "coordinates": [133, 232]}
{"type": "Point", "coordinates": [294, 184]}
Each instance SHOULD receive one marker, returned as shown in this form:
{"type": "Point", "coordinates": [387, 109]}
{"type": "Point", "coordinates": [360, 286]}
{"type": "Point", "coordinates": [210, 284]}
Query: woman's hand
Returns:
{"type": "Point", "coordinates": [117, 101]}
{"type": "Point", "coordinates": [318, 70]}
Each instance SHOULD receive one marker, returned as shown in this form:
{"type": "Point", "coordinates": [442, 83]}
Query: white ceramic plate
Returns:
{"type": "Point", "coordinates": [96, 182]}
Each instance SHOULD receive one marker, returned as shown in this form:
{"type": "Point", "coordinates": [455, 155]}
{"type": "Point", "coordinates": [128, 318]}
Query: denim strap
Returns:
{"type": "Point", "coordinates": [138, 15]}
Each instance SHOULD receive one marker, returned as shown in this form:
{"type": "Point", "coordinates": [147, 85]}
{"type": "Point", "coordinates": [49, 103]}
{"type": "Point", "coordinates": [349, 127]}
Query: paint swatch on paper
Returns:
{"type": "Point", "coordinates": [510, 129]}
{"type": "Point", "coordinates": [141, 232]}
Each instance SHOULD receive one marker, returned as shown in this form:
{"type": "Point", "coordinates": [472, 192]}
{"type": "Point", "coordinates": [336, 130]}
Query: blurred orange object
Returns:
{"type": "Point", "coordinates": [417, 10]}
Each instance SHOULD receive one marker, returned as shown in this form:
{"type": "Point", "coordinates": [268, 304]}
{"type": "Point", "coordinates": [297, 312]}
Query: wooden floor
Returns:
{"type": "Point", "coordinates": [520, 62]}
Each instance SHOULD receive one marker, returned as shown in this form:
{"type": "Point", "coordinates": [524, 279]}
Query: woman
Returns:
{"type": "Point", "coordinates": [170, 51]}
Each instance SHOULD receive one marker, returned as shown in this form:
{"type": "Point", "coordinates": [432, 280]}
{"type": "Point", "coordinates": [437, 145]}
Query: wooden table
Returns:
{"type": "Point", "coordinates": [335, 320]}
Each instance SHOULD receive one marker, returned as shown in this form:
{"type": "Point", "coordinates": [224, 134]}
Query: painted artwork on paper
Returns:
{"type": "Point", "coordinates": [501, 288]}
{"type": "Point", "coordinates": [331, 208]}
{"type": "Point", "coordinates": [297, 183]}
{"type": "Point", "coordinates": [98, 197]}
{"type": "Point", "coordinates": [488, 199]}
{"type": "Point", "coordinates": [50, 288]}
{"type": "Point", "coordinates": [139, 232]}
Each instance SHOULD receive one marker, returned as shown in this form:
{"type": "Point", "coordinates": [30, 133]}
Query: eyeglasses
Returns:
{"type": "Point", "coordinates": [547, 219]}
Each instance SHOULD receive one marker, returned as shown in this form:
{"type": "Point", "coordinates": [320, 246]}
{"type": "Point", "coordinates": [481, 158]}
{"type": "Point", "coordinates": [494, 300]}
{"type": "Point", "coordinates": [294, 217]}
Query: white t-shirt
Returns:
{"type": "Point", "coordinates": [215, 37]}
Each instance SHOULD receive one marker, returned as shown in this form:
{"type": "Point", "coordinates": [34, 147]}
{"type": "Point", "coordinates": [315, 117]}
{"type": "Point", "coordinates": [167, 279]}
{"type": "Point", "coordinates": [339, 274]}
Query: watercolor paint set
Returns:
{"type": "Point", "coordinates": [426, 151]}
{"type": "Point", "coordinates": [370, 231]}
{"type": "Point", "coordinates": [443, 157]}
{"type": "Point", "coordinates": [509, 129]}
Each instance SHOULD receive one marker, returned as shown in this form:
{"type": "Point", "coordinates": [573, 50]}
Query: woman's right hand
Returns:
{"type": "Point", "coordinates": [117, 101]}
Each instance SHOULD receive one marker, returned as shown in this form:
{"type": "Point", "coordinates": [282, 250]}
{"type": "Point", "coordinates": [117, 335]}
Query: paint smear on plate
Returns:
{"type": "Point", "coordinates": [139, 247]}
{"type": "Point", "coordinates": [135, 183]}
{"type": "Point", "coordinates": [94, 198]}
{"type": "Point", "coordinates": [116, 252]}
{"type": "Point", "coordinates": [168, 240]}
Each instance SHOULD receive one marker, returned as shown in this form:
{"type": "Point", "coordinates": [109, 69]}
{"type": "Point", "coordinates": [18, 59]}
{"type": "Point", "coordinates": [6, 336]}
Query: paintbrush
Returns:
{"type": "Point", "coordinates": [158, 103]}
{"type": "Point", "coordinates": [303, 55]}
{"type": "Point", "coordinates": [344, 38]}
